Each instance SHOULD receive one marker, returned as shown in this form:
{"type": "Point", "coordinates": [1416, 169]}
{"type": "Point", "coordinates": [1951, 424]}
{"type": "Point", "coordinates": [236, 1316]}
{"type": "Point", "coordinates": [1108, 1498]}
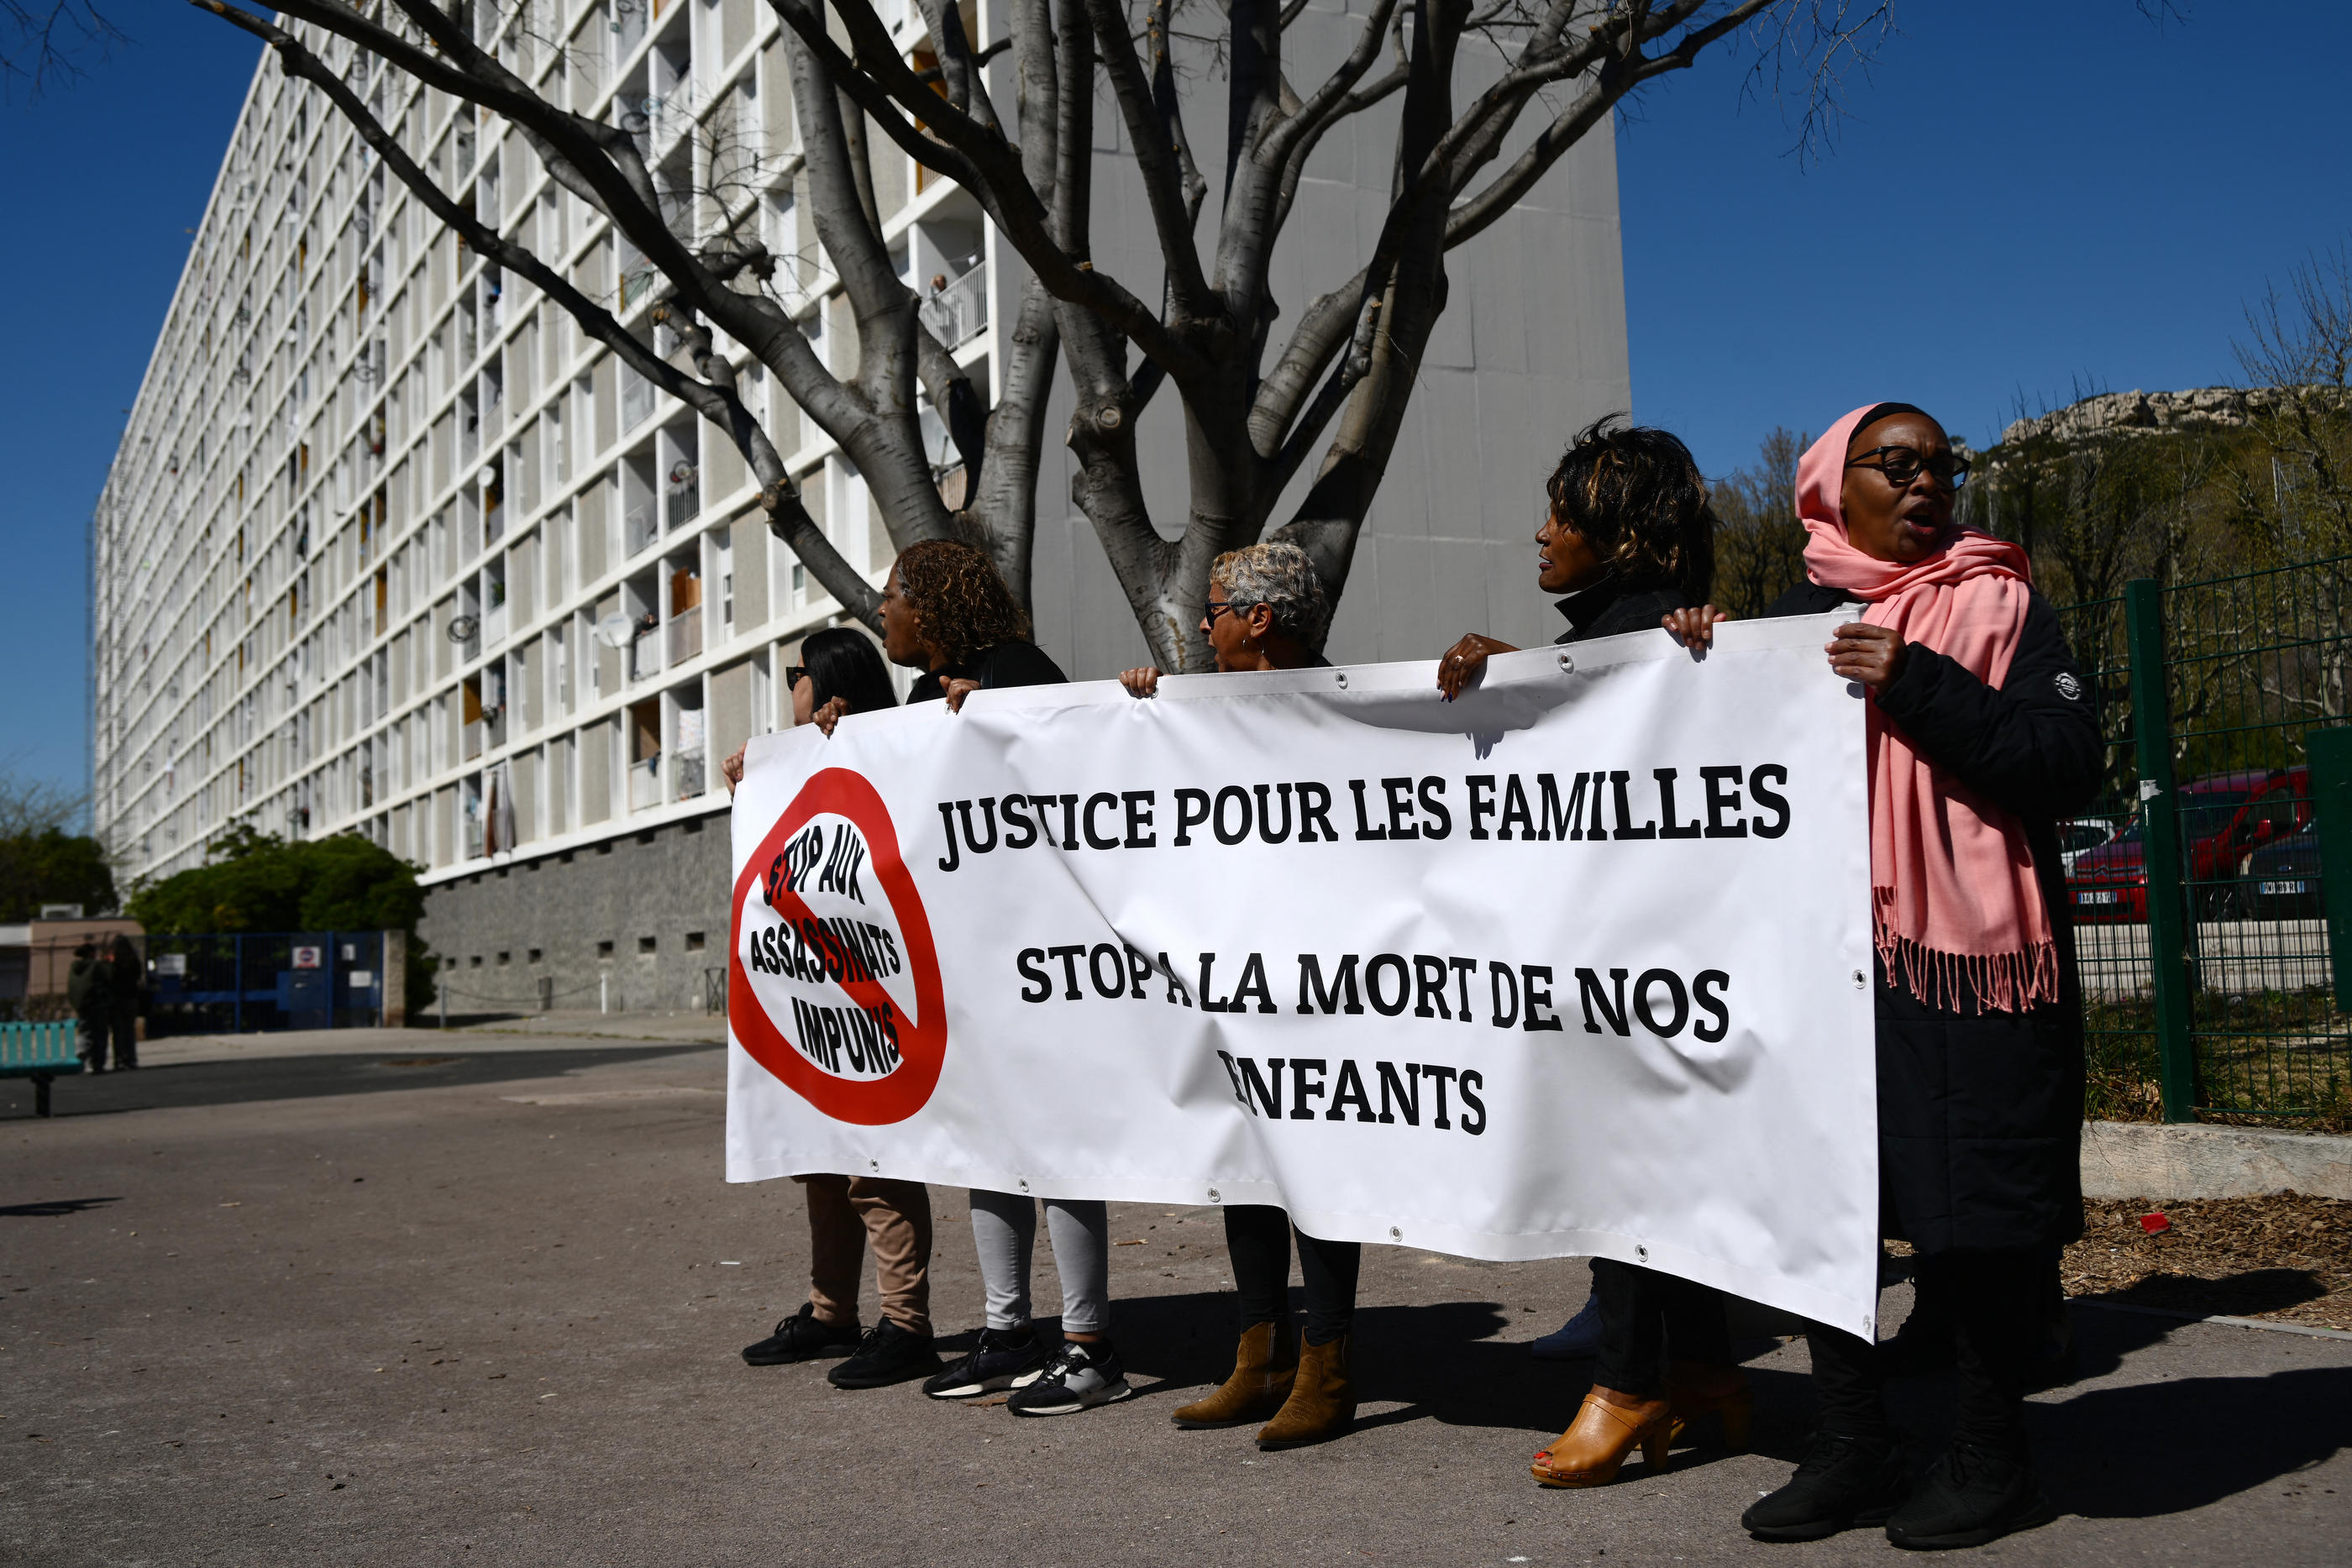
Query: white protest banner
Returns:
{"type": "Point", "coordinates": [1578, 965]}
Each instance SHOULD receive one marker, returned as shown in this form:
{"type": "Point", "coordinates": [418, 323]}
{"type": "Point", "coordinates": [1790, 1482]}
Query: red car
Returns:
{"type": "Point", "coordinates": [2223, 818]}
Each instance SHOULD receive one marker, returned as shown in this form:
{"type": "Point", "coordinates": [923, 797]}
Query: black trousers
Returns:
{"type": "Point", "coordinates": [1996, 1300]}
{"type": "Point", "coordinates": [1258, 1237]}
{"type": "Point", "coordinates": [1645, 1315]}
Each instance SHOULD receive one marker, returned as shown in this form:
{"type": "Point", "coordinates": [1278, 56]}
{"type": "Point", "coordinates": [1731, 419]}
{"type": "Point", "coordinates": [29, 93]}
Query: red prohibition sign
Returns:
{"type": "Point", "coordinates": [922, 1047]}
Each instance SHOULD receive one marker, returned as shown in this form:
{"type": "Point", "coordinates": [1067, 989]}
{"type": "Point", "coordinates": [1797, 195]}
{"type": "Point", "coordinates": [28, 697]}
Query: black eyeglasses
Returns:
{"type": "Point", "coordinates": [793, 674]}
{"type": "Point", "coordinates": [1901, 465]}
{"type": "Point", "coordinates": [1213, 609]}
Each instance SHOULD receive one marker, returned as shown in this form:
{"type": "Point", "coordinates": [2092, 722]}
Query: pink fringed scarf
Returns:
{"type": "Point", "coordinates": [1957, 909]}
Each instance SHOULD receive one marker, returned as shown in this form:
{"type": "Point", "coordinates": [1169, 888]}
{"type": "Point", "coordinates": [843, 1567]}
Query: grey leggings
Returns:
{"type": "Point", "coordinates": [1004, 1231]}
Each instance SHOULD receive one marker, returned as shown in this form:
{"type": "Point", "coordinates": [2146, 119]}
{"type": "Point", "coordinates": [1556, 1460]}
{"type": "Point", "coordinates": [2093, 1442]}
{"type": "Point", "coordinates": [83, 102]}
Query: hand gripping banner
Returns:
{"type": "Point", "coordinates": [1579, 965]}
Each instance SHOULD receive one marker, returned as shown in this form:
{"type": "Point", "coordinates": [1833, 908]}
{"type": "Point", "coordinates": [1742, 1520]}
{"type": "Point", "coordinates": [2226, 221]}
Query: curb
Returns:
{"type": "Point", "coordinates": [2171, 1163]}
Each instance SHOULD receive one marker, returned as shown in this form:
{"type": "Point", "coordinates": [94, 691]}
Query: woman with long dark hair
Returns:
{"type": "Point", "coordinates": [1982, 737]}
{"type": "Point", "coordinates": [1629, 540]}
{"type": "Point", "coordinates": [841, 673]}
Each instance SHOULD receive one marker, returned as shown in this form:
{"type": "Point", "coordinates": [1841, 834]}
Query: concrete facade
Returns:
{"type": "Point", "coordinates": [636, 920]}
{"type": "Point", "coordinates": [375, 500]}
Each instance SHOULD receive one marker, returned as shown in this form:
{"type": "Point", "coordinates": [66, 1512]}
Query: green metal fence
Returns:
{"type": "Point", "coordinates": [2204, 914]}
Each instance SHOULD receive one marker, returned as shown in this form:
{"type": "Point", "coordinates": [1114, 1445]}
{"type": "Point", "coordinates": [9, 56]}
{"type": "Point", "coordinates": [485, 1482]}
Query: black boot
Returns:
{"type": "Point", "coordinates": [1972, 1495]}
{"type": "Point", "coordinates": [1839, 1483]}
{"type": "Point", "coordinates": [802, 1337]}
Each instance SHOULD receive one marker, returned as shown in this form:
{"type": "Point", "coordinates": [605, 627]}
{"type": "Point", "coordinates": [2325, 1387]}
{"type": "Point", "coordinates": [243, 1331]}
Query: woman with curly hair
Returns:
{"type": "Point", "coordinates": [946, 612]}
{"type": "Point", "coordinates": [1630, 540]}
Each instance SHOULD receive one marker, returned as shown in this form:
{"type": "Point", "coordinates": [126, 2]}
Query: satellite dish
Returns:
{"type": "Point", "coordinates": [463, 628]}
{"type": "Point", "coordinates": [488, 477]}
{"type": "Point", "coordinates": [680, 472]}
{"type": "Point", "coordinates": [614, 631]}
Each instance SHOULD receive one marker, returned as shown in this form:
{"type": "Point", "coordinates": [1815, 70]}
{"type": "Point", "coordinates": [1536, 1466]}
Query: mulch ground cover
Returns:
{"type": "Point", "coordinates": [2285, 1257]}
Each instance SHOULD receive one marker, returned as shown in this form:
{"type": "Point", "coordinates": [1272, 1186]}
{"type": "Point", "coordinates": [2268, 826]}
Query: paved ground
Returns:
{"type": "Point", "coordinates": [491, 1316]}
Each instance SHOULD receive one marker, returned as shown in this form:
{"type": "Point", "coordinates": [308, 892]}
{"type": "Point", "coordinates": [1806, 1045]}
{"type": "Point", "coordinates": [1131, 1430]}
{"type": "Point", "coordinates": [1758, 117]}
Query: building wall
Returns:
{"type": "Point", "coordinates": [644, 913]}
{"type": "Point", "coordinates": [355, 444]}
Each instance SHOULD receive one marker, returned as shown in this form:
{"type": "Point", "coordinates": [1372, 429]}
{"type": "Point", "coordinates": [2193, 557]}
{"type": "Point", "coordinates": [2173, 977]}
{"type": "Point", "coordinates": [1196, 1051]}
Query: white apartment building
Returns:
{"type": "Point", "coordinates": [390, 549]}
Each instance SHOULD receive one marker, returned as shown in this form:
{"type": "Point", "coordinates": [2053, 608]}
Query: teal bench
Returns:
{"type": "Point", "coordinates": [39, 1051]}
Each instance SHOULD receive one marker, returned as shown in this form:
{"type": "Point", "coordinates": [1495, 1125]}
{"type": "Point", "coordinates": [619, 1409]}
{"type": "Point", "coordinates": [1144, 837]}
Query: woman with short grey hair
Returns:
{"type": "Point", "coordinates": [1266, 611]}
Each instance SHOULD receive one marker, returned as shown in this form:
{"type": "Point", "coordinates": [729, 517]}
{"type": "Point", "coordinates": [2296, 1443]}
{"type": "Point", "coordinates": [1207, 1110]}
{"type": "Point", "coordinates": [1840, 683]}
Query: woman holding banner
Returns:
{"type": "Point", "coordinates": [840, 673]}
{"type": "Point", "coordinates": [1629, 540]}
{"type": "Point", "coordinates": [1266, 611]}
{"type": "Point", "coordinates": [946, 612]}
{"type": "Point", "coordinates": [1981, 735]}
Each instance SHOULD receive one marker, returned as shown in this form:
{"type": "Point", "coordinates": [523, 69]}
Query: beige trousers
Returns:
{"type": "Point", "coordinates": [847, 1212]}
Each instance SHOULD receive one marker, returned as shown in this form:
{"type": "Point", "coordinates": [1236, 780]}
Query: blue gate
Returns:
{"type": "Point", "coordinates": [246, 982]}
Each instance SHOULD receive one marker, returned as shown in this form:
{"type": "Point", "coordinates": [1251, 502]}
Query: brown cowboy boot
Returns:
{"type": "Point", "coordinates": [1263, 1369]}
{"type": "Point", "coordinates": [1322, 1403]}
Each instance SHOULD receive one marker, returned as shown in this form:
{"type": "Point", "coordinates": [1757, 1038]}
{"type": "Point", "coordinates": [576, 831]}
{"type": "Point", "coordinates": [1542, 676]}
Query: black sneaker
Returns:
{"type": "Point", "coordinates": [1839, 1483]}
{"type": "Point", "coordinates": [887, 1355]}
{"type": "Point", "coordinates": [1078, 1377]}
{"type": "Point", "coordinates": [802, 1337]}
{"type": "Point", "coordinates": [998, 1359]}
{"type": "Point", "coordinates": [1970, 1496]}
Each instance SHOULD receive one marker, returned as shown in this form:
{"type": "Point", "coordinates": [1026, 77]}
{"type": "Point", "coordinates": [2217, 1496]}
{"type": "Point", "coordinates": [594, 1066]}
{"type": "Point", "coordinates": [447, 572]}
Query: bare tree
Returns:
{"type": "Point", "coordinates": [43, 43]}
{"type": "Point", "coordinates": [2295, 497]}
{"type": "Point", "coordinates": [1485, 100]}
{"type": "Point", "coordinates": [1760, 550]}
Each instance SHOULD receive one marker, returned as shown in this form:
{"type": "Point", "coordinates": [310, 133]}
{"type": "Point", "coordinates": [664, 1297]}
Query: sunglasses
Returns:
{"type": "Point", "coordinates": [1214, 608]}
{"type": "Point", "coordinates": [794, 674]}
{"type": "Point", "coordinates": [1901, 465]}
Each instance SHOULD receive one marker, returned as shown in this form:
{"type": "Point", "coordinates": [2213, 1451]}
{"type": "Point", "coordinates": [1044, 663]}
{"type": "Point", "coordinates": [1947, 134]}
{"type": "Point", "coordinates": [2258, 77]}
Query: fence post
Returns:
{"type": "Point", "coordinates": [2167, 909]}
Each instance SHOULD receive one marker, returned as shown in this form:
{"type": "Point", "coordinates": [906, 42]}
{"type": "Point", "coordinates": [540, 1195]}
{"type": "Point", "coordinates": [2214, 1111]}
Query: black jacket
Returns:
{"type": "Point", "coordinates": [1979, 1114]}
{"type": "Point", "coordinates": [1009, 663]}
{"type": "Point", "coordinates": [1614, 605]}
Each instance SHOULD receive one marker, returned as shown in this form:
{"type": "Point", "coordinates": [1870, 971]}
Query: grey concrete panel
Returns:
{"type": "Point", "coordinates": [668, 884]}
{"type": "Point", "coordinates": [2168, 1163]}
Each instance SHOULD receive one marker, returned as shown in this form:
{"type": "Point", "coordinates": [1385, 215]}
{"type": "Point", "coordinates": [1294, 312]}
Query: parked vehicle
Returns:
{"type": "Point", "coordinates": [2223, 818]}
{"type": "Point", "coordinates": [2281, 879]}
{"type": "Point", "coordinates": [2085, 833]}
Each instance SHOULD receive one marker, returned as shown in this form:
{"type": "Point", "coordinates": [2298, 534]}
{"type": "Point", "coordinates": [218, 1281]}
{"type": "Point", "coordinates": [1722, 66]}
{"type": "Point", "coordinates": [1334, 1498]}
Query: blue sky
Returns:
{"type": "Point", "coordinates": [2023, 196]}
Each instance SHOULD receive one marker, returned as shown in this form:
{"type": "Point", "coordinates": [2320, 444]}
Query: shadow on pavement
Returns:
{"type": "Point", "coordinates": [432, 1065]}
{"type": "Point", "coordinates": [2244, 1294]}
{"type": "Point", "coordinates": [2156, 1449]}
{"type": "Point", "coordinates": [55, 1208]}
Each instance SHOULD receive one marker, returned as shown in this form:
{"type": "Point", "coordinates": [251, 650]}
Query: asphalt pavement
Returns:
{"type": "Point", "coordinates": [339, 1310]}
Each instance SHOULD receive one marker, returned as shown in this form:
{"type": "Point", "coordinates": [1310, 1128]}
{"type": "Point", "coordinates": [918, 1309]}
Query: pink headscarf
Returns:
{"type": "Point", "coordinates": [1957, 909]}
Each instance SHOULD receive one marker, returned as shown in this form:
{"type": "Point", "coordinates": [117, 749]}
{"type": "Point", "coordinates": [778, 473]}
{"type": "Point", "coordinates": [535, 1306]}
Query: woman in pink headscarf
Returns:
{"type": "Point", "coordinates": [1982, 733]}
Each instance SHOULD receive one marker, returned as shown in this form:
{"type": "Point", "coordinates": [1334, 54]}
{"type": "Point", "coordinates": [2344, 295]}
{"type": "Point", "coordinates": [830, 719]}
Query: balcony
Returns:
{"type": "Point", "coordinates": [959, 313]}
{"type": "Point", "coordinates": [644, 784]}
{"type": "Point", "coordinates": [684, 639]}
{"type": "Point", "coordinates": [644, 657]}
{"type": "Point", "coordinates": [637, 528]}
{"type": "Point", "coordinates": [690, 781]}
{"type": "Point", "coordinates": [494, 623]}
{"type": "Point", "coordinates": [472, 737]}
{"type": "Point", "coordinates": [636, 399]}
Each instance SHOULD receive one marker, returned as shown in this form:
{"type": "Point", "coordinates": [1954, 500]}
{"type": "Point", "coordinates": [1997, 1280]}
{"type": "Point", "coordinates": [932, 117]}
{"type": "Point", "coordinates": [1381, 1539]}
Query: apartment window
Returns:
{"type": "Point", "coordinates": [644, 945]}
{"type": "Point", "coordinates": [724, 569]}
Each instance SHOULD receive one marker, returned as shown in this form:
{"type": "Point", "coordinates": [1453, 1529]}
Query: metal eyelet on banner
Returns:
{"type": "Point", "coordinates": [1025, 1186]}
{"type": "Point", "coordinates": [1641, 1252]}
{"type": "Point", "coordinates": [1395, 1233]}
{"type": "Point", "coordinates": [1340, 677]}
{"type": "Point", "coordinates": [1213, 1198]}
{"type": "Point", "coordinates": [1568, 664]}
{"type": "Point", "coordinates": [873, 1164]}
{"type": "Point", "coordinates": [1860, 980]}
